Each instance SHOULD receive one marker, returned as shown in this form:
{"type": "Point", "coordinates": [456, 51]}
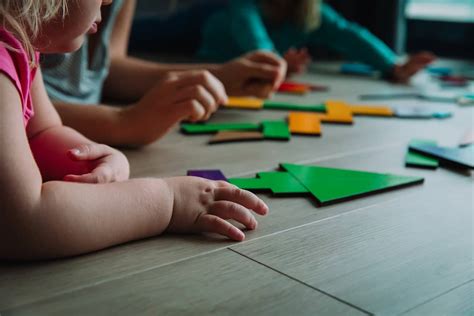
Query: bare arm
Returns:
{"type": "Point", "coordinates": [130, 78]}
{"type": "Point", "coordinates": [55, 219]}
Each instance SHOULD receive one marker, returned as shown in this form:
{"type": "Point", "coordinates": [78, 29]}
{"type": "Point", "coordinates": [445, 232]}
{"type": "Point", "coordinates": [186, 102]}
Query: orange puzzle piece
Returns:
{"type": "Point", "coordinates": [337, 112]}
{"type": "Point", "coordinates": [244, 103]}
{"type": "Point", "coordinates": [369, 110]}
{"type": "Point", "coordinates": [306, 123]}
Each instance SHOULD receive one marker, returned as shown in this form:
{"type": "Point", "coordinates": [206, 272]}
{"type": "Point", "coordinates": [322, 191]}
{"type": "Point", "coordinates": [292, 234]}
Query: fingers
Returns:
{"type": "Point", "coordinates": [204, 79]}
{"type": "Point", "coordinates": [259, 89]}
{"type": "Point", "coordinates": [205, 103]}
{"type": "Point", "coordinates": [89, 152]}
{"type": "Point", "coordinates": [102, 174]}
{"type": "Point", "coordinates": [230, 210]}
{"type": "Point", "coordinates": [213, 224]}
{"type": "Point", "coordinates": [242, 197]}
{"type": "Point", "coordinates": [272, 66]}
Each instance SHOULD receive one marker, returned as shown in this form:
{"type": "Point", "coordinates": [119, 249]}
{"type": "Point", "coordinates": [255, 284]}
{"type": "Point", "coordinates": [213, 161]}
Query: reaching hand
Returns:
{"type": "Point", "coordinates": [202, 205]}
{"type": "Point", "coordinates": [105, 163]}
{"type": "Point", "coordinates": [298, 60]}
{"type": "Point", "coordinates": [255, 74]}
{"type": "Point", "coordinates": [402, 73]}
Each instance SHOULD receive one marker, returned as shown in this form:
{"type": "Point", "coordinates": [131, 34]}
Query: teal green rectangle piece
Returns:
{"type": "Point", "coordinates": [276, 130]}
{"type": "Point", "coordinates": [286, 106]}
{"type": "Point", "coordinates": [214, 128]}
{"type": "Point", "coordinates": [413, 159]}
{"type": "Point", "coordinates": [329, 185]}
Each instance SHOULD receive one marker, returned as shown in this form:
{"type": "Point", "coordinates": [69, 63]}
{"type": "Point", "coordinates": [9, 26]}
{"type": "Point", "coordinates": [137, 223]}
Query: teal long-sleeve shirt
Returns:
{"type": "Point", "coordinates": [240, 28]}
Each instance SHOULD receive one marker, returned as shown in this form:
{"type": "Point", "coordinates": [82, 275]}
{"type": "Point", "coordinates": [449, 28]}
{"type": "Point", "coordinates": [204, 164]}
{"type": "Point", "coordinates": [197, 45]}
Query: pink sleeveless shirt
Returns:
{"type": "Point", "coordinates": [16, 66]}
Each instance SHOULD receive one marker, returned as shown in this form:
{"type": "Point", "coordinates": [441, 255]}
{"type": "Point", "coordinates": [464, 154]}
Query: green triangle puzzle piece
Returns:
{"type": "Point", "coordinates": [276, 130]}
{"type": "Point", "coordinates": [329, 185]}
{"type": "Point", "coordinates": [413, 159]}
{"type": "Point", "coordinates": [277, 182]}
{"type": "Point", "coordinates": [214, 128]}
{"type": "Point", "coordinates": [285, 106]}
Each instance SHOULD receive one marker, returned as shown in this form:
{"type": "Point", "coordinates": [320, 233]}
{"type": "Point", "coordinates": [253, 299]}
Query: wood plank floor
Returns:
{"type": "Point", "coordinates": [409, 251]}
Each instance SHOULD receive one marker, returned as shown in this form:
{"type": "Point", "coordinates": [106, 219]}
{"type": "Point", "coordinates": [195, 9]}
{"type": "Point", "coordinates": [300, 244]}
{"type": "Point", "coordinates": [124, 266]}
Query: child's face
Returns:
{"type": "Point", "coordinates": [67, 35]}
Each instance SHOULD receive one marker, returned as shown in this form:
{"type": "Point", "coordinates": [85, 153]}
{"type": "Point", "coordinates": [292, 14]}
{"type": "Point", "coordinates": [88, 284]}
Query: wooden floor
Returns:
{"type": "Point", "coordinates": [404, 252]}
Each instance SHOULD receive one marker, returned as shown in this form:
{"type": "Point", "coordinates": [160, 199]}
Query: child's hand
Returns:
{"type": "Point", "coordinates": [402, 73]}
{"type": "Point", "coordinates": [202, 205]}
{"type": "Point", "coordinates": [105, 164]}
{"type": "Point", "coordinates": [190, 95]}
{"type": "Point", "coordinates": [298, 60]}
{"type": "Point", "coordinates": [255, 74]}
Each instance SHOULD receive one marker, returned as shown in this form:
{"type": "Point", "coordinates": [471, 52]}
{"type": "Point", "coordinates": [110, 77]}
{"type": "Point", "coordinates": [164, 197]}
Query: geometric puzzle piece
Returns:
{"type": "Point", "coordinates": [371, 110]}
{"type": "Point", "coordinates": [278, 130]}
{"type": "Point", "coordinates": [357, 69]}
{"type": "Point", "coordinates": [287, 106]}
{"type": "Point", "coordinates": [467, 139]}
{"type": "Point", "coordinates": [309, 86]}
{"type": "Point", "coordinates": [330, 185]}
{"type": "Point", "coordinates": [244, 103]}
{"type": "Point", "coordinates": [458, 157]}
{"type": "Point", "coordinates": [293, 89]}
{"type": "Point", "coordinates": [277, 182]}
{"type": "Point", "coordinates": [215, 175]}
{"type": "Point", "coordinates": [413, 159]}
{"type": "Point", "coordinates": [235, 136]}
{"type": "Point", "coordinates": [337, 112]}
{"type": "Point", "coordinates": [304, 123]}
{"type": "Point", "coordinates": [214, 128]}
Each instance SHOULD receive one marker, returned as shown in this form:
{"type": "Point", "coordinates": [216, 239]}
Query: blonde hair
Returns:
{"type": "Point", "coordinates": [306, 14]}
{"type": "Point", "coordinates": [23, 18]}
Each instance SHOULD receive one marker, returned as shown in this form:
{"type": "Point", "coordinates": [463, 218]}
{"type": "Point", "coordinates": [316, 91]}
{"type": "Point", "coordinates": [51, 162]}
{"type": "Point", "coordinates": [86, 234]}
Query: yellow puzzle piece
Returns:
{"type": "Point", "coordinates": [369, 110]}
{"type": "Point", "coordinates": [244, 103]}
{"type": "Point", "coordinates": [306, 123]}
{"type": "Point", "coordinates": [337, 112]}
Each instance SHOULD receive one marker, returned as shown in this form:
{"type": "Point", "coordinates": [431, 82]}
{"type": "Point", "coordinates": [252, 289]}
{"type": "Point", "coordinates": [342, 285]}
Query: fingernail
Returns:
{"type": "Point", "coordinates": [76, 151]}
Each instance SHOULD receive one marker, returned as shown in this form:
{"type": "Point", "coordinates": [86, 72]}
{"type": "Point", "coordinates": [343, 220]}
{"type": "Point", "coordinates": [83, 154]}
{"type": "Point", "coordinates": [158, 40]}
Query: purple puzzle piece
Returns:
{"type": "Point", "coordinates": [216, 175]}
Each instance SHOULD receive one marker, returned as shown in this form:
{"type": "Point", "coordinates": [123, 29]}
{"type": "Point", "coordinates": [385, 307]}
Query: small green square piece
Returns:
{"type": "Point", "coordinates": [276, 130]}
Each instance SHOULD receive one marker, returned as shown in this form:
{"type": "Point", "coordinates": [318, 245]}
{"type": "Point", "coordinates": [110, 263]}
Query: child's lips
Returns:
{"type": "Point", "coordinates": [94, 28]}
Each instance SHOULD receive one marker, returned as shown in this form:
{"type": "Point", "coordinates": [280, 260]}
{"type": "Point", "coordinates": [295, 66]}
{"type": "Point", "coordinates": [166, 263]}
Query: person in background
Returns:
{"type": "Point", "coordinates": [156, 95]}
{"type": "Point", "coordinates": [287, 27]}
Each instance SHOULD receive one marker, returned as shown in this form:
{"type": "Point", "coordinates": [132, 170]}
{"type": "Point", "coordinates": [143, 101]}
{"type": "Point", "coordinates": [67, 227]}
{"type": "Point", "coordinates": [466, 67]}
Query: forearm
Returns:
{"type": "Point", "coordinates": [50, 149]}
{"type": "Point", "coordinates": [71, 219]}
{"type": "Point", "coordinates": [130, 78]}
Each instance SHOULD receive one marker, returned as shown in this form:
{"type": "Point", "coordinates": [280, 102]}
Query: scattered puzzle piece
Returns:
{"type": "Point", "coordinates": [370, 110]}
{"type": "Point", "coordinates": [389, 96]}
{"type": "Point", "coordinates": [329, 185]}
{"type": "Point", "coordinates": [312, 87]}
{"type": "Point", "coordinates": [337, 112]}
{"type": "Point", "coordinates": [278, 130]}
{"type": "Point", "coordinates": [244, 103]}
{"type": "Point", "coordinates": [216, 175]}
{"type": "Point", "coordinates": [304, 123]}
{"type": "Point", "coordinates": [213, 128]}
{"type": "Point", "coordinates": [285, 106]}
{"type": "Point", "coordinates": [458, 157]}
{"type": "Point", "coordinates": [293, 89]}
{"type": "Point", "coordinates": [357, 69]}
{"type": "Point", "coordinates": [277, 182]}
{"type": "Point", "coordinates": [413, 159]}
{"type": "Point", "coordinates": [235, 136]}
{"type": "Point", "coordinates": [467, 139]}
